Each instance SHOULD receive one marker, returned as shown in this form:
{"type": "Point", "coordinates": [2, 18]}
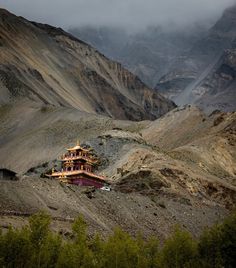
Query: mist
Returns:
{"type": "Point", "coordinates": [129, 14]}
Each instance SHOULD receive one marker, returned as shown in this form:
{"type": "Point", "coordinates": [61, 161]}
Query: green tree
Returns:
{"type": "Point", "coordinates": [121, 250]}
{"type": "Point", "coordinates": [45, 244]}
{"type": "Point", "coordinates": [151, 252]}
{"type": "Point", "coordinates": [76, 253]}
{"type": "Point", "coordinates": [68, 256]}
{"type": "Point", "coordinates": [97, 247]}
{"type": "Point", "coordinates": [79, 229]}
{"type": "Point", "coordinates": [217, 245]}
{"type": "Point", "coordinates": [50, 251]}
{"type": "Point", "coordinates": [180, 250]}
{"type": "Point", "coordinates": [16, 248]}
{"type": "Point", "coordinates": [38, 246]}
{"type": "Point", "coordinates": [1, 248]}
{"type": "Point", "coordinates": [228, 241]}
{"type": "Point", "coordinates": [39, 226]}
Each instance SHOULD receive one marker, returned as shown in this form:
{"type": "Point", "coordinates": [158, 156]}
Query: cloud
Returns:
{"type": "Point", "coordinates": [131, 14]}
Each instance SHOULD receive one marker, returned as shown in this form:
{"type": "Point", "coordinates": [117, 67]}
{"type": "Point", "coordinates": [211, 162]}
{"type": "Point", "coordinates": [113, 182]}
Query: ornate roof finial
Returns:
{"type": "Point", "coordinates": [78, 143]}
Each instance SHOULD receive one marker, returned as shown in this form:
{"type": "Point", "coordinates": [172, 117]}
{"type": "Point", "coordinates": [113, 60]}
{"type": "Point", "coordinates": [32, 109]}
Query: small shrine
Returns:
{"type": "Point", "coordinates": [77, 168]}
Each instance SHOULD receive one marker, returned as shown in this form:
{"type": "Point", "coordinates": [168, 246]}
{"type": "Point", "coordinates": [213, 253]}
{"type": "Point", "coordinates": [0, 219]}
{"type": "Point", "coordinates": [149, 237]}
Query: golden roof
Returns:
{"type": "Point", "coordinates": [78, 147]}
{"type": "Point", "coordinates": [76, 172]}
{"type": "Point", "coordinates": [79, 157]}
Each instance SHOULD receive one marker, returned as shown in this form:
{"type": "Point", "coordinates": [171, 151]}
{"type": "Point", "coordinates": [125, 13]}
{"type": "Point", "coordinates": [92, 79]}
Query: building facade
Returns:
{"type": "Point", "coordinates": [77, 168]}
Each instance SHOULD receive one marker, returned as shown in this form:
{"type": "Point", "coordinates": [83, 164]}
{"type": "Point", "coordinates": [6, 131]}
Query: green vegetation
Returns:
{"type": "Point", "coordinates": [36, 246]}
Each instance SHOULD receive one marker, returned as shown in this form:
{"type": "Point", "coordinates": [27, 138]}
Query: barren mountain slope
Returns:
{"type": "Point", "coordinates": [218, 89]}
{"type": "Point", "coordinates": [153, 188]}
{"type": "Point", "coordinates": [149, 53]}
{"type": "Point", "coordinates": [49, 66]}
{"type": "Point", "coordinates": [206, 142]}
{"type": "Point", "coordinates": [196, 78]}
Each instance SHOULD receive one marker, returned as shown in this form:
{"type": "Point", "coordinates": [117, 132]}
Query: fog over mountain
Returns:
{"type": "Point", "coordinates": [131, 14]}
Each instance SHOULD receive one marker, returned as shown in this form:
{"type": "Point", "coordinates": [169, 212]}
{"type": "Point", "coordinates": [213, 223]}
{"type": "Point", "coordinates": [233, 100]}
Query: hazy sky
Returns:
{"type": "Point", "coordinates": [129, 13]}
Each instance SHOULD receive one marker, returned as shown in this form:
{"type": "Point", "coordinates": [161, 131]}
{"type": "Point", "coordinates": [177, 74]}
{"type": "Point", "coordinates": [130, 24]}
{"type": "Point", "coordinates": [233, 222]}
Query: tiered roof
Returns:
{"type": "Point", "coordinates": [76, 172]}
{"type": "Point", "coordinates": [78, 147]}
{"type": "Point", "coordinates": [64, 175]}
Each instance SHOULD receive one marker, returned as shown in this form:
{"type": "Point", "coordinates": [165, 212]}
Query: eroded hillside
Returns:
{"type": "Point", "coordinates": [177, 169]}
{"type": "Point", "coordinates": [46, 65]}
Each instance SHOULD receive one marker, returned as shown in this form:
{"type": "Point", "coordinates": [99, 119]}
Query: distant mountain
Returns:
{"type": "Point", "coordinates": [198, 77]}
{"type": "Point", "coordinates": [218, 89]}
{"type": "Point", "coordinates": [108, 40]}
{"type": "Point", "coordinates": [177, 63]}
{"type": "Point", "coordinates": [48, 66]}
{"type": "Point", "coordinates": [149, 53]}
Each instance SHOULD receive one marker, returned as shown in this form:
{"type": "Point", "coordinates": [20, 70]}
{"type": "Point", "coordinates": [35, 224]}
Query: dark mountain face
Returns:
{"type": "Point", "coordinates": [218, 89]}
{"type": "Point", "coordinates": [196, 78]}
{"type": "Point", "coordinates": [220, 37]}
{"type": "Point", "coordinates": [178, 63]}
{"type": "Point", "coordinates": [149, 54]}
{"type": "Point", "coordinates": [46, 65]}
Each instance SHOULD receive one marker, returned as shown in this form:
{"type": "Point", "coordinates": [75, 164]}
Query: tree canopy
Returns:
{"type": "Point", "coordinates": [37, 246]}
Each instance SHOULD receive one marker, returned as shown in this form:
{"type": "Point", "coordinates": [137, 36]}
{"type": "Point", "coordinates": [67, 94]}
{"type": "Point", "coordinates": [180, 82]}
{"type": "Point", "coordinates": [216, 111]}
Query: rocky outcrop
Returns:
{"type": "Point", "coordinates": [143, 181]}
